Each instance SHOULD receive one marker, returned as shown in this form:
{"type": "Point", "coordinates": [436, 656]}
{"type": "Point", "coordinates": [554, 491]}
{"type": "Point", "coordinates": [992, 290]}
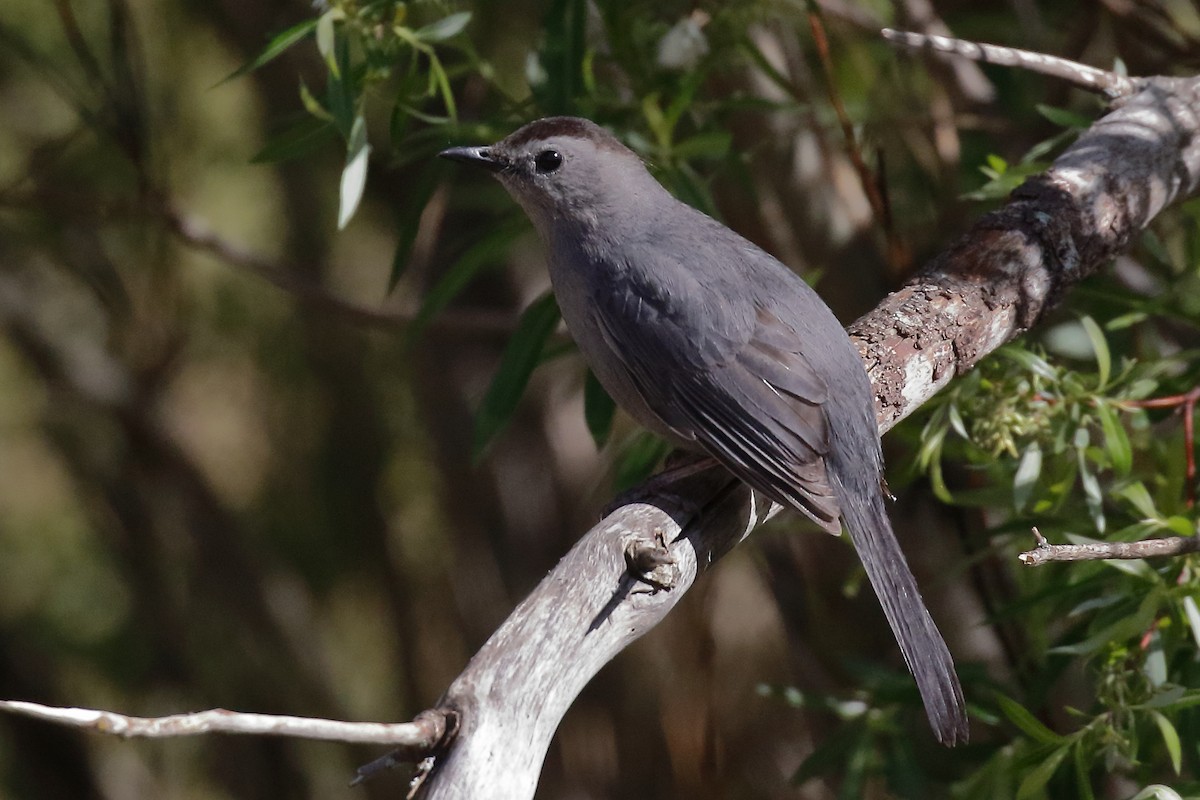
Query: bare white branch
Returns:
{"type": "Point", "coordinates": [1093, 80]}
{"type": "Point", "coordinates": [422, 734]}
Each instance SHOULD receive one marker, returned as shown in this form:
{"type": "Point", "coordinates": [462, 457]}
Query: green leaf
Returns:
{"type": "Point", "coordinates": [1027, 474]}
{"type": "Point", "coordinates": [712, 145]}
{"type": "Point", "coordinates": [1100, 347]}
{"type": "Point", "coordinates": [1018, 715]}
{"type": "Point", "coordinates": [408, 223]}
{"type": "Point", "coordinates": [637, 459]}
{"type": "Point", "coordinates": [312, 105]}
{"type": "Point", "coordinates": [1193, 617]}
{"type": "Point", "coordinates": [521, 355]}
{"type": "Point", "coordinates": [298, 140]}
{"type": "Point", "coordinates": [1125, 628]}
{"type": "Point", "coordinates": [832, 754]}
{"type": "Point", "coordinates": [1116, 441]}
{"type": "Point", "coordinates": [1091, 484]}
{"type": "Point", "coordinates": [1034, 363]}
{"type": "Point", "coordinates": [1038, 777]}
{"type": "Point", "coordinates": [438, 75]}
{"type": "Point", "coordinates": [327, 40]}
{"type": "Point", "coordinates": [1083, 768]}
{"type": "Point", "coordinates": [486, 252]}
{"type": "Point", "coordinates": [1139, 497]}
{"type": "Point", "coordinates": [1157, 792]}
{"type": "Point", "coordinates": [443, 29]}
{"type": "Point", "coordinates": [354, 174]}
{"type": "Point", "coordinates": [598, 409]}
{"type": "Point", "coordinates": [956, 421]}
{"type": "Point", "coordinates": [274, 49]}
{"type": "Point", "coordinates": [1064, 118]}
{"type": "Point", "coordinates": [1170, 739]}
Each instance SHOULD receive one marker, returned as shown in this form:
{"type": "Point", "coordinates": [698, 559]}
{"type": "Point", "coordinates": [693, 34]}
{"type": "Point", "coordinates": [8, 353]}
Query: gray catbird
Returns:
{"type": "Point", "coordinates": [712, 343]}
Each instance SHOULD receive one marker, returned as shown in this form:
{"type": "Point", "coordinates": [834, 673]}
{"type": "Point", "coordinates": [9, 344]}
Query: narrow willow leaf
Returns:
{"type": "Point", "coordinates": [1018, 715]}
{"type": "Point", "coordinates": [637, 460]}
{"type": "Point", "coordinates": [712, 145]}
{"type": "Point", "coordinates": [354, 175]}
{"type": "Point", "coordinates": [326, 41]}
{"type": "Point", "coordinates": [598, 409]}
{"type": "Point", "coordinates": [274, 49]}
{"type": "Point", "coordinates": [1170, 739]}
{"type": "Point", "coordinates": [1083, 769]}
{"type": "Point", "coordinates": [312, 105]}
{"type": "Point", "coordinates": [443, 29]}
{"type": "Point", "coordinates": [298, 140]}
{"type": "Point", "coordinates": [521, 355]}
{"type": "Point", "coordinates": [1157, 791]}
{"type": "Point", "coordinates": [1193, 617]}
{"type": "Point", "coordinates": [1116, 441]}
{"type": "Point", "coordinates": [1063, 117]}
{"type": "Point", "coordinates": [1040, 775]}
{"type": "Point", "coordinates": [486, 252]}
{"type": "Point", "coordinates": [408, 219]}
{"type": "Point", "coordinates": [1139, 497]}
{"type": "Point", "coordinates": [1100, 348]}
{"type": "Point", "coordinates": [1027, 474]}
{"type": "Point", "coordinates": [831, 755]}
{"type": "Point", "coordinates": [1091, 487]}
{"type": "Point", "coordinates": [1029, 361]}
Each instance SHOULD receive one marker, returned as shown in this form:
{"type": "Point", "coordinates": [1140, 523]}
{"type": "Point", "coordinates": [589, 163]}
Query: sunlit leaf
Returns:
{"type": "Point", "coordinates": [1116, 441]}
{"type": "Point", "coordinates": [521, 355]}
{"type": "Point", "coordinates": [326, 41]}
{"type": "Point", "coordinates": [354, 174]}
{"type": "Point", "coordinates": [1027, 474]}
{"type": "Point", "coordinates": [443, 29]}
{"type": "Point", "coordinates": [1192, 613]}
{"type": "Point", "coordinates": [312, 105]}
{"type": "Point", "coordinates": [1100, 347]}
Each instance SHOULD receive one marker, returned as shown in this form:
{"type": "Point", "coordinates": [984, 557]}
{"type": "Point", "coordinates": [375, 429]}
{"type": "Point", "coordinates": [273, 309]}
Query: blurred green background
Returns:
{"type": "Point", "coordinates": [248, 460]}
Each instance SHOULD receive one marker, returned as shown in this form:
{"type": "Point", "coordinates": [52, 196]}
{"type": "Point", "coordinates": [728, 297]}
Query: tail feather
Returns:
{"type": "Point", "coordinates": [920, 641]}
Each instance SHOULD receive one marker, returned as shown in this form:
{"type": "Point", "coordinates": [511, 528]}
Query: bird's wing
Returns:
{"type": "Point", "coordinates": [757, 405]}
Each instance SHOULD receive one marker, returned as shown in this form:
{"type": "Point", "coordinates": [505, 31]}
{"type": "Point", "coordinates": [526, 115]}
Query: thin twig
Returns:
{"type": "Point", "coordinates": [898, 255]}
{"type": "Point", "coordinates": [1186, 402]}
{"type": "Point", "coordinates": [1091, 79]}
{"type": "Point", "coordinates": [419, 737]}
{"type": "Point", "coordinates": [1100, 551]}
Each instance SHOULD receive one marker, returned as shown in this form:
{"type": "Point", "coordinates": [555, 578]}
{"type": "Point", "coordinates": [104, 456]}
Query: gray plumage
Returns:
{"type": "Point", "coordinates": [709, 341]}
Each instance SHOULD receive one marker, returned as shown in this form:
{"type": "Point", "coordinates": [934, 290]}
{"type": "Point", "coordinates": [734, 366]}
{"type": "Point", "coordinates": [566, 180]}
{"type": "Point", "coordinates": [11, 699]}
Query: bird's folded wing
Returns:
{"type": "Point", "coordinates": [758, 409]}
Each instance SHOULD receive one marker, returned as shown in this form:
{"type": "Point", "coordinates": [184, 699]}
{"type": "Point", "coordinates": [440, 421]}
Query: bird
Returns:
{"type": "Point", "coordinates": [709, 341]}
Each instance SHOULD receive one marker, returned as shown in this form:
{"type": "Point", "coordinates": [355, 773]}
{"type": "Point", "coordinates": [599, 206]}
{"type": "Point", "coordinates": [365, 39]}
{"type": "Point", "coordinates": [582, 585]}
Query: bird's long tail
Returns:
{"type": "Point", "coordinates": [920, 641]}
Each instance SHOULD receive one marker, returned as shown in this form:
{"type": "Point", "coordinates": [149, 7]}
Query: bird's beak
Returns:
{"type": "Point", "coordinates": [479, 156]}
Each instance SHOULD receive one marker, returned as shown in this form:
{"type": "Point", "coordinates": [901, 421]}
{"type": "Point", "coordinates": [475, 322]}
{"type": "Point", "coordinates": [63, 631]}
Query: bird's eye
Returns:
{"type": "Point", "coordinates": [547, 161]}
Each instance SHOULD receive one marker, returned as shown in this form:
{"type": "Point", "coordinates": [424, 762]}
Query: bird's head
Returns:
{"type": "Point", "coordinates": [564, 170]}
